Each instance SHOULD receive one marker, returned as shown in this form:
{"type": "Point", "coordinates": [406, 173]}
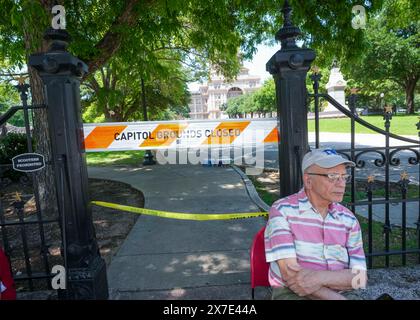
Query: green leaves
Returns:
{"type": "Point", "coordinates": [164, 40]}
{"type": "Point", "coordinates": [117, 91]}
{"type": "Point", "coordinates": [265, 97]}
{"type": "Point", "coordinates": [390, 62]}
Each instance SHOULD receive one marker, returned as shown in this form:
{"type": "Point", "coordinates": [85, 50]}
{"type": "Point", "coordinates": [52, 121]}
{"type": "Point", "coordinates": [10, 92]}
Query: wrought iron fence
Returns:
{"type": "Point", "coordinates": [31, 240]}
{"type": "Point", "coordinates": [375, 192]}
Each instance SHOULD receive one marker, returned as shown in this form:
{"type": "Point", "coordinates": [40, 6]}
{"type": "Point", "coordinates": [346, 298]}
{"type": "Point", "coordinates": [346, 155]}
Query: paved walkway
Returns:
{"type": "Point", "coordinates": [395, 213]}
{"type": "Point", "coordinates": [175, 259]}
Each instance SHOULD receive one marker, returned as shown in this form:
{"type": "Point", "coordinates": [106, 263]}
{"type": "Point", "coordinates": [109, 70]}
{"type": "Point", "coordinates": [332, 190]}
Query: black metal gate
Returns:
{"type": "Point", "coordinates": [71, 235]}
{"type": "Point", "coordinates": [375, 189]}
{"type": "Point", "coordinates": [31, 239]}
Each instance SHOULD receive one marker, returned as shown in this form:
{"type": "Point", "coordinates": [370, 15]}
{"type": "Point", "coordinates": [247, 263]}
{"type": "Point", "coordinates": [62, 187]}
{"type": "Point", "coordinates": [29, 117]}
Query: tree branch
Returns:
{"type": "Point", "coordinates": [181, 48]}
{"type": "Point", "coordinates": [12, 75]}
{"type": "Point", "coordinates": [108, 74]}
{"type": "Point", "coordinates": [114, 79]}
{"type": "Point", "coordinates": [112, 40]}
{"type": "Point", "coordinates": [94, 84]}
{"type": "Point", "coordinates": [132, 107]}
{"type": "Point", "coordinates": [402, 84]}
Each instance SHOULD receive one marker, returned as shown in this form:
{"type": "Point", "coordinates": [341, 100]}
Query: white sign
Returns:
{"type": "Point", "coordinates": [178, 134]}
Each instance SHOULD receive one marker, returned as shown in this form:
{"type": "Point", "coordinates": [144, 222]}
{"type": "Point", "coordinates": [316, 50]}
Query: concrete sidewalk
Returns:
{"type": "Point", "coordinates": [175, 259]}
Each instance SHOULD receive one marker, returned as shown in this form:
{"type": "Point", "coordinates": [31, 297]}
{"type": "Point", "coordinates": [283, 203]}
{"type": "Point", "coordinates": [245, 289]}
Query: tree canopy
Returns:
{"type": "Point", "coordinates": [390, 62]}
{"type": "Point", "coordinates": [211, 31]}
{"type": "Point", "coordinates": [196, 34]}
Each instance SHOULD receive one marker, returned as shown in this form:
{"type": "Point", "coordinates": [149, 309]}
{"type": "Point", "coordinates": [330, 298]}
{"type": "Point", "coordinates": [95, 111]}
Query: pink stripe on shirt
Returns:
{"type": "Point", "coordinates": [295, 229]}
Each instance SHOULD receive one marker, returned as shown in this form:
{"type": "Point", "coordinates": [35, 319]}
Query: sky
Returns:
{"type": "Point", "coordinates": [256, 66]}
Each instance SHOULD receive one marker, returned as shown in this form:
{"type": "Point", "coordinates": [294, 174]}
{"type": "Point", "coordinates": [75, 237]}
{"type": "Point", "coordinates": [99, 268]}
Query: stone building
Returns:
{"type": "Point", "coordinates": [207, 102]}
{"type": "Point", "coordinates": [335, 87]}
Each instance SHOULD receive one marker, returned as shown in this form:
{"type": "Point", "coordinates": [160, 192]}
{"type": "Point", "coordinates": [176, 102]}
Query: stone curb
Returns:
{"type": "Point", "coordinates": [250, 189]}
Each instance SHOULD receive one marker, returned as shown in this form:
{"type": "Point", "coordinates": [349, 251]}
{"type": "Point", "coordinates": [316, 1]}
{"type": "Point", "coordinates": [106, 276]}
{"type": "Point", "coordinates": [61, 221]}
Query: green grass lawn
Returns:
{"type": "Point", "coordinates": [378, 237]}
{"type": "Point", "coordinates": [401, 124]}
{"type": "Point", "coordinates": [266, 196]}
{"type": "Point", "coordinates": [115, 158]}
{"type": "Point", "coordinates": [395, 243]}
{"type": "Point", "coordinates": [378, 191]}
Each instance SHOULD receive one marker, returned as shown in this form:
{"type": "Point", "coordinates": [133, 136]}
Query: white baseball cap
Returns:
{"type": "Point", "coordinates": [325, 158]}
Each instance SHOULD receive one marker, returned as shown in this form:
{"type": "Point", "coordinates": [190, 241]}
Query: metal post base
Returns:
{"type": "Point", "coordinates": [148, 159]}
{"type": "Point", "coordinates": [87, 283]}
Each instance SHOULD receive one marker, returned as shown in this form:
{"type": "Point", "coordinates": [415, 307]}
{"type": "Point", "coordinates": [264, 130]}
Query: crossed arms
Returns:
{"type": "Point", "coordinates": [317, 284]}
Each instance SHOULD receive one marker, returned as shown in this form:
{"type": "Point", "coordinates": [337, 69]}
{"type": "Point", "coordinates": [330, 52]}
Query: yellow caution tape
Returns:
{"type": "Point", "coordinates": [179, 215]}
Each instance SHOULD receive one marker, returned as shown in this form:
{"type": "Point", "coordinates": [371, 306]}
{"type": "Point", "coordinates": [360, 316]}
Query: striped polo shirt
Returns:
{"type": "Point", "coordinates": [296, 230]}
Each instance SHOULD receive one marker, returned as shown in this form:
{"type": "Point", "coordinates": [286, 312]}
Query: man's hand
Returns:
{"type": "Point", "coordinates": [304, 281]}
{"type": "Point", "coordinates": [288, 267]}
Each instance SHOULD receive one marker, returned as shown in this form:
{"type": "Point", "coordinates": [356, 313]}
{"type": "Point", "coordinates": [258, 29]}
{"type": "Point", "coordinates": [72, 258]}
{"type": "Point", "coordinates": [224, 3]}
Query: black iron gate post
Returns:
{"type": "Point", "coordinates": [289, 67]}
{"type": "Point", "coordinates": [60, 73]}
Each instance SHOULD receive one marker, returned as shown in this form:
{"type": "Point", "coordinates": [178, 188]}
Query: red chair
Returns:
{"type": "Point", "coordinates": [6, 278]}
{"type": "Point", "coordinates": [259, 267]}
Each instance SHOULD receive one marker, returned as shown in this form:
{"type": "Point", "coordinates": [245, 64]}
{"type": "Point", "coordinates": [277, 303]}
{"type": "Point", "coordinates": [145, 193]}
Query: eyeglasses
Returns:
{"type": "Point", "coordinates": [333, 177]}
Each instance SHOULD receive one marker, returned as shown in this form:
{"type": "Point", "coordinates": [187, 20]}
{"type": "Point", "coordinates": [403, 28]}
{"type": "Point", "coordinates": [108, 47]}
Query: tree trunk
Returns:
{"type": "Point", "coordinates": [3, 130]}
{"type": "Point", "coordinates": [143, 100]}
{"type": "Point", "coordinates": [45, 178]}
{"type": "Point", "coordinates": [409, 95]}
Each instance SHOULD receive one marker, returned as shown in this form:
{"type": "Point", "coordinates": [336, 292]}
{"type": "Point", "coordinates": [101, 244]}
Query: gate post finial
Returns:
{"type": "Point", "coordinates": [288, 33]}
{"type": "Point", "coordinates": [58, 39]}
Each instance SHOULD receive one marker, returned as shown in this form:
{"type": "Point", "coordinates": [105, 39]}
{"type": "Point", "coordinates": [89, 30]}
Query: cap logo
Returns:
{"type": "Point", "coordinates": [329, 151]}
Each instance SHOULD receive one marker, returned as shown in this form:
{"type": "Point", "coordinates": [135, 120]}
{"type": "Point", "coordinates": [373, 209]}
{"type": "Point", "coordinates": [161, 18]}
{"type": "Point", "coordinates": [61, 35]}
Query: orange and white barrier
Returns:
{"type": "Point", "coordinates": [118, 136]}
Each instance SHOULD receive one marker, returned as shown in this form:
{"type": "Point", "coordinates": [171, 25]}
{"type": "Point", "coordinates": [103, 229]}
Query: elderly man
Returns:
{"type": "Point", "coordinates": [314, 244]}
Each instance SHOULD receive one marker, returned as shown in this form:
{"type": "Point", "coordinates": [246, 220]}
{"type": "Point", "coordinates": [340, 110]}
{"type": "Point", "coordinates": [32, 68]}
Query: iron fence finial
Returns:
{"type": "Point", "coordinates": [21, 79]}
{"type": "Point", "coordinates": [315, 69]}
{"type": "Point", "coordinates": [388, 109]}
{"type": "Point", "coordinates": [18, 197]}
{"type": "Point", "coordinates": [354, 90]}
{"type": "Point", "coordinates": [404, 175]}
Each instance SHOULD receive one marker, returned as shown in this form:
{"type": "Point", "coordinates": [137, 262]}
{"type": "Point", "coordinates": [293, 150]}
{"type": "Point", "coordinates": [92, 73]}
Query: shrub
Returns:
{"type": "Point", "coordinates": [11, 145]}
